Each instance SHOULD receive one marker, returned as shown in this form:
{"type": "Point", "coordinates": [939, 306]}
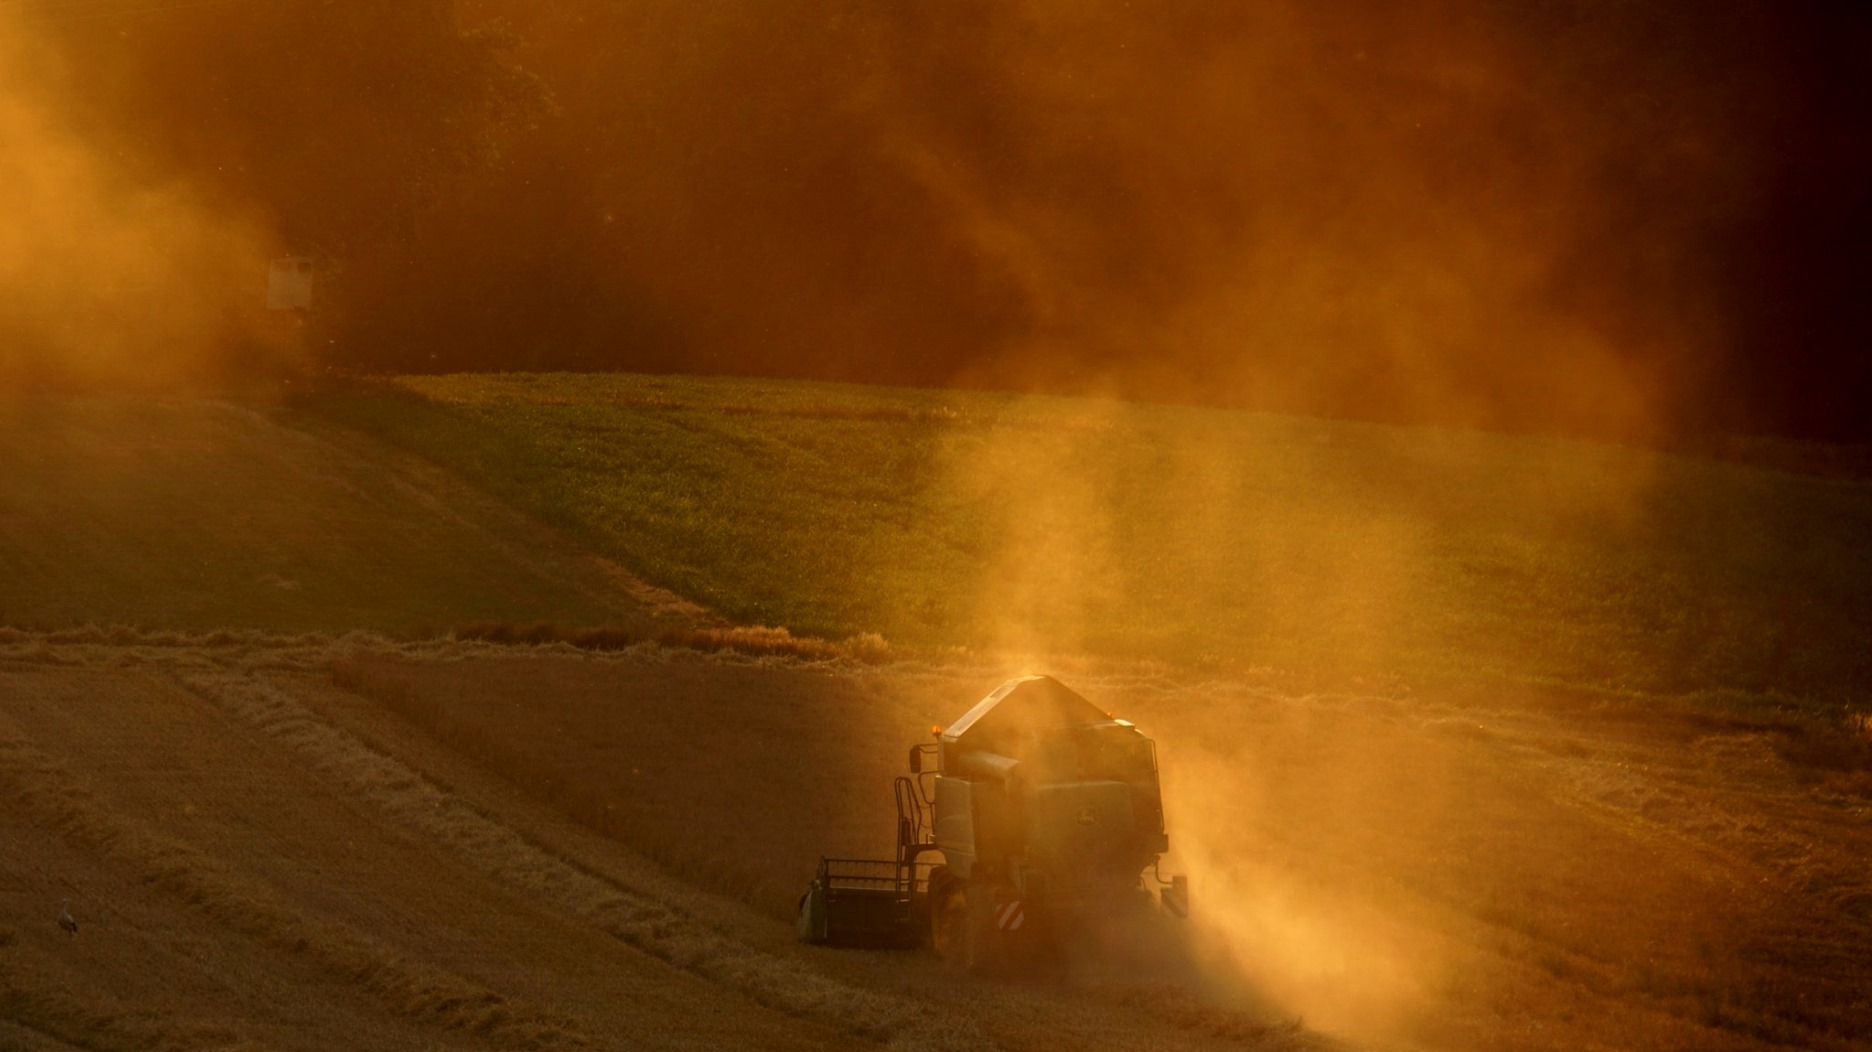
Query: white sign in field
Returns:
{"type": "Point", "coordinates": [289, 283]}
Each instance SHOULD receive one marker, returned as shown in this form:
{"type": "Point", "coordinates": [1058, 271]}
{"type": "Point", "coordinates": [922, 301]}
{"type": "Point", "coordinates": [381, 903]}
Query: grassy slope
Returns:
{"type": "Point", "coordinates": [1322, 548]}
{"type": "Point", "coordinates": [202, 515]}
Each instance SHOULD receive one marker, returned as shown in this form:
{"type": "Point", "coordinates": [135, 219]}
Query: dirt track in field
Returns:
{"type": "Point", "coordinates": [300, 844]}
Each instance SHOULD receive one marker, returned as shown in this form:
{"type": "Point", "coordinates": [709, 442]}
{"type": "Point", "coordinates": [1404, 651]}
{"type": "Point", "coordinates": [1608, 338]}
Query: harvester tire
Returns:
{"type": "Point", "coordinates": [986, 944]}
{"type": "Point", "coordinates": [949, 919]}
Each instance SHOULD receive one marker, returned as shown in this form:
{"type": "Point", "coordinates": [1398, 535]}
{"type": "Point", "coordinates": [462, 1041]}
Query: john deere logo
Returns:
{"type": "Point", "coordinates": [1087, 816]}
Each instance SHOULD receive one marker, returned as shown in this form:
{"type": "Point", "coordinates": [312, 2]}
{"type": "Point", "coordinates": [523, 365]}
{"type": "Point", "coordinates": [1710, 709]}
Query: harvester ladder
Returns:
{"type": "Point", "coordinates": [914, 835]}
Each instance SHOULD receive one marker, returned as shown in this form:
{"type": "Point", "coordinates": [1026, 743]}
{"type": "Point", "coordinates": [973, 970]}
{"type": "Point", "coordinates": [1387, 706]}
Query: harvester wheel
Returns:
{"type": "Point", "coordinates": [949, 917]}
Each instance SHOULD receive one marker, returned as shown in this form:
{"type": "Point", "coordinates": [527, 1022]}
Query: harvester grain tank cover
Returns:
{"type": "Point", "coordinates": [1020, 711]}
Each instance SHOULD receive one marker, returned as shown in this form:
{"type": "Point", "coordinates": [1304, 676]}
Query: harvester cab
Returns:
{"type": "Point", "coordinates": [1033, 817]}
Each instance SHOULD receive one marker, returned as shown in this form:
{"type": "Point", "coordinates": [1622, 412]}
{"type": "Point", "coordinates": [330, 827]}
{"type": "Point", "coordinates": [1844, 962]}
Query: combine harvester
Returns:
{"type": "Point", "coordinates": [1029, 823]}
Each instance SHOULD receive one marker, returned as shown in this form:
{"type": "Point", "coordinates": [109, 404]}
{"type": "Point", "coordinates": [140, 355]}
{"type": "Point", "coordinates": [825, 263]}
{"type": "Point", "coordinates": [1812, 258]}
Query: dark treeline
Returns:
{"type": "Point", "coordinates": [1573, 214]}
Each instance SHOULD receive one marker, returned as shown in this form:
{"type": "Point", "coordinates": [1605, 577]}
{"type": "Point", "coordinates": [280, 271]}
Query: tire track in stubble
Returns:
{"type": "Point", "coordinates": [631, 916]}
{"type": "Point", "coordinates": [57, 799]}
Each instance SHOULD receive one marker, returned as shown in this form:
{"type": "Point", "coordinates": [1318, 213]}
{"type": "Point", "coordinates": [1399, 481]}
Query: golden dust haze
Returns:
{"type": "Point", "coordinates": [107, 278]}
{"type": "Point", "coordinates": [1465, 212]}
{"type": "Point", "coordinates": [1332, 954]}
{"type": "Point", "coordinates": [1328, 953]}
{"type": "Point", "coordinates": [1461, 211]}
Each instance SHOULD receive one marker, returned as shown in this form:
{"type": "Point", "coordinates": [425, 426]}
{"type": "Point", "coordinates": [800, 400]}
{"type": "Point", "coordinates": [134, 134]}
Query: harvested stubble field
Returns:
{"type": "Point", "coordinates": [1631, 811]}
{"type": "Point", "coordinates": [303, 842]}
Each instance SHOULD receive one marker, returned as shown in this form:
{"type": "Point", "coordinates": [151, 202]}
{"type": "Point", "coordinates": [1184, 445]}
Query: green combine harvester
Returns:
{"type": "Point", "coordinates": [1033, 818]}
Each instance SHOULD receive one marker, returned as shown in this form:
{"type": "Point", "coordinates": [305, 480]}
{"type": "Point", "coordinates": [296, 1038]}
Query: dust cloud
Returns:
{"type": "Point", "coordinates": [1304, 938]}
{"type": "Point", "coordinates": [110, 279]}
{"type": "Point", "coordinates": [1464, 212]}
{"type": "Point", "coordinates": [1392, 211]}
{"type": "Point", "coordinates": [1470, 212]}
{"type": "Point", "coordinates": [1274, 927]}
{"type": "Point", "coordinates": [1120, 525]}
{"type": "Point", "coordinates": [1314, 558]}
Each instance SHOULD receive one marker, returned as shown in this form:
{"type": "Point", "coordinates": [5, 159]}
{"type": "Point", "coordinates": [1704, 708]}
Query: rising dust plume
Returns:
{"type": "Point", "coordinates": [110, 277]}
